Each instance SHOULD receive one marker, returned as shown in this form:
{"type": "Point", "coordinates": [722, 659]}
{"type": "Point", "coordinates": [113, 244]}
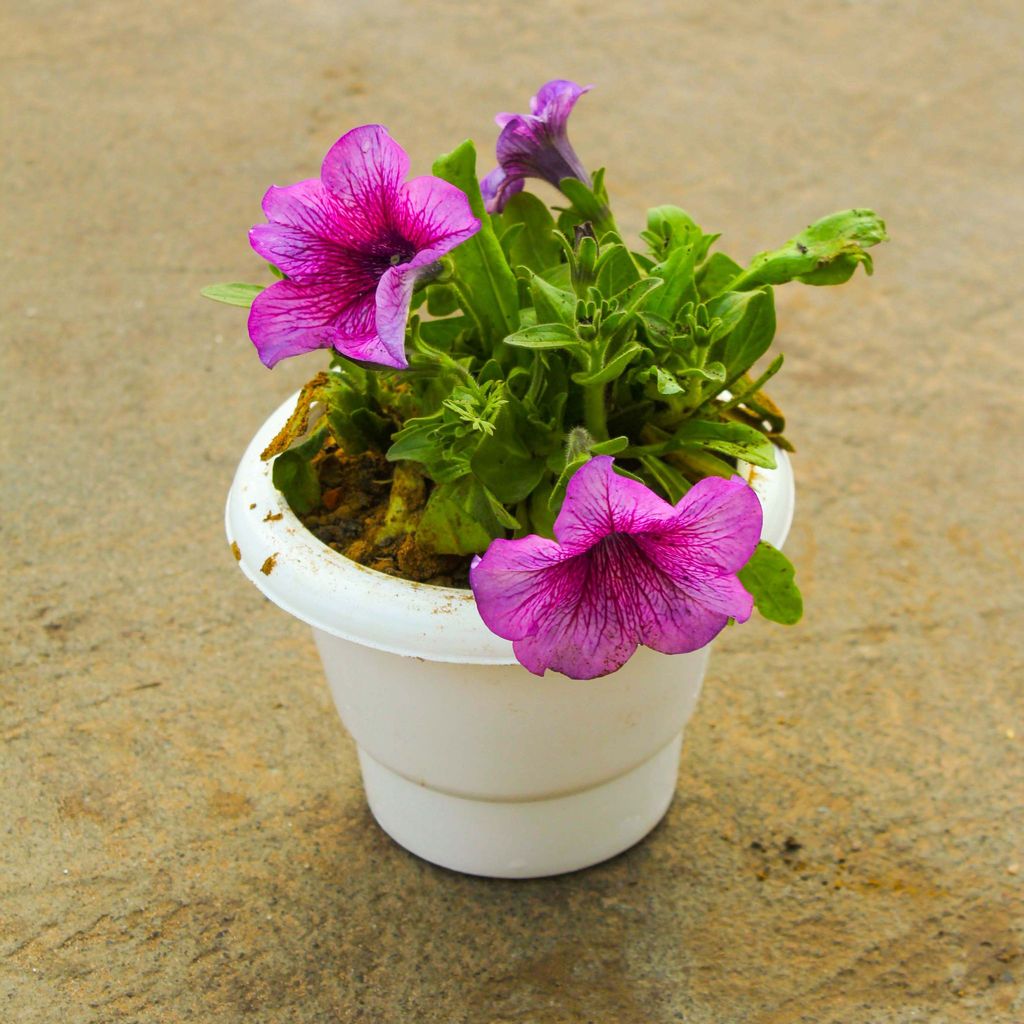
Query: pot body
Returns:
{"type": "Point", "coordinates": [468, 760]}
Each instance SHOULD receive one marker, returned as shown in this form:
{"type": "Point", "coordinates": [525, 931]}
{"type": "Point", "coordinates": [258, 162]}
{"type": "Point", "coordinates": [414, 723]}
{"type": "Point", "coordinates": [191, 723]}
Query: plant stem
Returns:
{"type": "Point", "coordinates": [595, 416]}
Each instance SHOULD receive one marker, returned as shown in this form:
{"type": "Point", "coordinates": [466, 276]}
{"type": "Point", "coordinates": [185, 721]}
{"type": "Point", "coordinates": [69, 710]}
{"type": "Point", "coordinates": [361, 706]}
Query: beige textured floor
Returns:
{"type": "Point", "coordinates": [183, 832]}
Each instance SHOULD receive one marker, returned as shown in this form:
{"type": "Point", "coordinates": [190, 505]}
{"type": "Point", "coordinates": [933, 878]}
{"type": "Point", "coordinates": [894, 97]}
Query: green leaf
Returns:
{"type": "Point", "coordinates": [670, 228]}
{"type": "Point", "coordinates": [677, 273]}
{"type": "Point", "coordinates": [542, 515]}
{"type": "Point", "coordinates": [557, 495]}
{"type": "Point", "coordinates": [442, 333]}
{"type": "Point", "coordinates": [827, 252]}
{"type": "Point", "coordinates": [670, 480]}
{"type": "Point", "coordinates": [769, 577]}
{"type": "Point", "coordinates": [442, 300]}
{"type": "Point", "coordinates": [296, 478]}
{"type": "Point", "coordinates": [486, 282]}
{"type": "Point", "coordinates": [507, 237]}
{"type": "Point", "coordinates": [504, 461]}
{"type": "Point", "coordinates": [735, 439]}
{"type": "Point", "coordinates": [501, 513]}
{"type": "Point", "coordinates": [666, 382]}
{"type": "Point", "coordinates": [553, 305]}
{"type": "Point", "coordinates": [235, 294]}
{"type": "Point", "coordinates": [415, 441]}
{"type": "Point", "coordinates": [658, 330]}
{"type": "Point", "coordinates": [715, 273]}
{"type": "Point", "coordinates": [612, 370]}
{"type": "Point", "coordinates": [355, 417]}
{"type": "Point", "coordinates": [751, 337]}
{"type": "Point", "coordinates": [366, 430]}
{"type": "Point", "coordinates": [639, 295]}
{"type": "Point", "coordinates": [584, 202]}
{"type": "Point", "coordinates": [729, 308]}
{"type": "Point", "coordinates": [612, 446]}
{"type": "Point", "coordinates": [491, 370]}
{"type": "Point", "coordinates": [534, 245]}
{"type": "Point", "coordinates": [616, 270]}
{"type": "Point", "coordinates": [712, 371]}
{"type": "Point", "coordinates": [459, 519]}
{"type": "Point", "coordinates": [559, 275]}
{"type": "Point", "coordinates": [748, 392]}
{"type": "Point", "coordinates": [545, 336]}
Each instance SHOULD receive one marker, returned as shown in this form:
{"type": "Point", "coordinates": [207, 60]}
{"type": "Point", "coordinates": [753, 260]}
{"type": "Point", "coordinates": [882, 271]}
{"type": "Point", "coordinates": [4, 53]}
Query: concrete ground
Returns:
{"type": "Point", "coordinates": [184, 835]}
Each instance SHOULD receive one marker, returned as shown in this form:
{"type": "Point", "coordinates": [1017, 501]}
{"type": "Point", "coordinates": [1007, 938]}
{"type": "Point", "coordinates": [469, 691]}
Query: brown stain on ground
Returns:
{"type": "Point", "coordinates": [226, 804]}
{"type": "Point", "coordinates": [80, 805]}
{"type": "Point", "coordinates": [570, 984]}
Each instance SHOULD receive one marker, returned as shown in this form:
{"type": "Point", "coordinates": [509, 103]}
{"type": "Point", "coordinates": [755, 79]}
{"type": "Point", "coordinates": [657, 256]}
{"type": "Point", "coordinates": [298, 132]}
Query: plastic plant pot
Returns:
{"type": "Point", "coordinates": [468, 760]}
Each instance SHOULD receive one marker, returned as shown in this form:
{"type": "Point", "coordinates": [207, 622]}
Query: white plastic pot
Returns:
{"type": "Point", "coordinates": [469, 760]}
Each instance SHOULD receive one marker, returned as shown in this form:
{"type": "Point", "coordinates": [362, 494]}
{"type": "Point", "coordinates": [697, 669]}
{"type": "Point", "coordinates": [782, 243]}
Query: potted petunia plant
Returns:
{"type": "Point", "coordinates": [540, 474]}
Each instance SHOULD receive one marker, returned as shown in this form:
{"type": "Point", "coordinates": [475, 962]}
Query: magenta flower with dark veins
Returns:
{"type": "Point", "coordinates": [535, 145]}
{"type": "Point", "coordinates": [353, 243]}
{"type": "Point", "coordinates": [627, 568]}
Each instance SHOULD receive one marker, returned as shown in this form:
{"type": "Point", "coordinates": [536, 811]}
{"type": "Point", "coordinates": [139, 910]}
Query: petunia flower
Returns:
{"type": "Point", "coordinates": [353, 243]}
{"type": "Point", "coordinates": [627, 568]}
{"type": "Point", "coordinates": [535, 145]}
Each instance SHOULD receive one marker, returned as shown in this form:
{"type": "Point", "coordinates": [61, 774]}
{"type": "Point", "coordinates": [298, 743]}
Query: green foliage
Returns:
{"type": "Point", "coordinates": [235, 294]}
{"type": "Point", "coordinates": [769, 577]}
{"type": "Point", "coordinates": [295, 476]}
{"type": "Point", "coordinates": [486, 284]}
{"type": "Point", "coordinates": [827, 252]}
{"type": "Point", "coordinates": [534, 244]}
{"type": "Point", "coordinates": [461, 518]}
{"type": "Point", "coordinates": [546, 340]}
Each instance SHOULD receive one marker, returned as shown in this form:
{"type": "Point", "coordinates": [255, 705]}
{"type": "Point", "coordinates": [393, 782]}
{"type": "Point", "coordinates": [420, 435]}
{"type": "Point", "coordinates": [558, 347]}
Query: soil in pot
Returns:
{"type": "Point", "coordinates": [358, 498]}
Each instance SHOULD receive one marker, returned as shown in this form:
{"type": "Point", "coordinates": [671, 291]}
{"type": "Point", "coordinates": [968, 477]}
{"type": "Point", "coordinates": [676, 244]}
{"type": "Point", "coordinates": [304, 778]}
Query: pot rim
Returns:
{"type": "Point", "coordinates": [326, 590]}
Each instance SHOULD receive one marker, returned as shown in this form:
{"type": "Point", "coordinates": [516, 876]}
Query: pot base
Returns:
{"type": "Point", "coordinates": [523, 839]}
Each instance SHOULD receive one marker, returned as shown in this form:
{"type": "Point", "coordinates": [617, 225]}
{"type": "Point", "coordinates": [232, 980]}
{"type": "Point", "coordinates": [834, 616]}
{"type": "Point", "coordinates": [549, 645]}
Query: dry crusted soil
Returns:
{"type": "Point", "coordinates": [183, 832]}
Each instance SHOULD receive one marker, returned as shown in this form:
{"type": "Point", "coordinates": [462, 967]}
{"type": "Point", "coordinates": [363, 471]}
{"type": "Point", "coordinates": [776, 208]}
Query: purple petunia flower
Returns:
{"type": "Point", "coordinates": [353, 243]}
{"type": "Point", "coordinates": [627, 568]}
{"type": "Point", "coordinates": [535, 145]}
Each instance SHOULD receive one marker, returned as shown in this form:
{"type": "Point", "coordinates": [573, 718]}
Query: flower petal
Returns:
{"type": "Point", "coordinates": [628, 568]}
{"type": "Point", "coordinates": [364, 171]}
{"type": "Point", "coordinates": [583, 640]}
{"type": "Point", "coordinates": [289, 318]}
{"type": "Point", "coordinates": [529, 147]}
{"type": "Point", "coordinates": [529, 592]}
{"type": "Point", "coordinates": [434, 216]}
{"type": "Point", "coordinates": [714, 532]}
{"type": "Point", "coordinates": [598, 501]}
{"type": "Point", "coordinates": [394, 294]}
{"type": "Point", "coordinates": [306, 230]}
{"type": "Point", "coordinates": [585, 615]}
{"type": "Point", "coordinates": [554, 102]}
{"type": "Point", "coordinates": [719, 522]}
{"type": "Point", "coordinates": [306, 206]}
{"type": "Point", "coordinates": [511, 586]}
{"type": "Point", "coordinates": [624, 602]}
{"type": "Point", "coordinates": [497, 188]}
